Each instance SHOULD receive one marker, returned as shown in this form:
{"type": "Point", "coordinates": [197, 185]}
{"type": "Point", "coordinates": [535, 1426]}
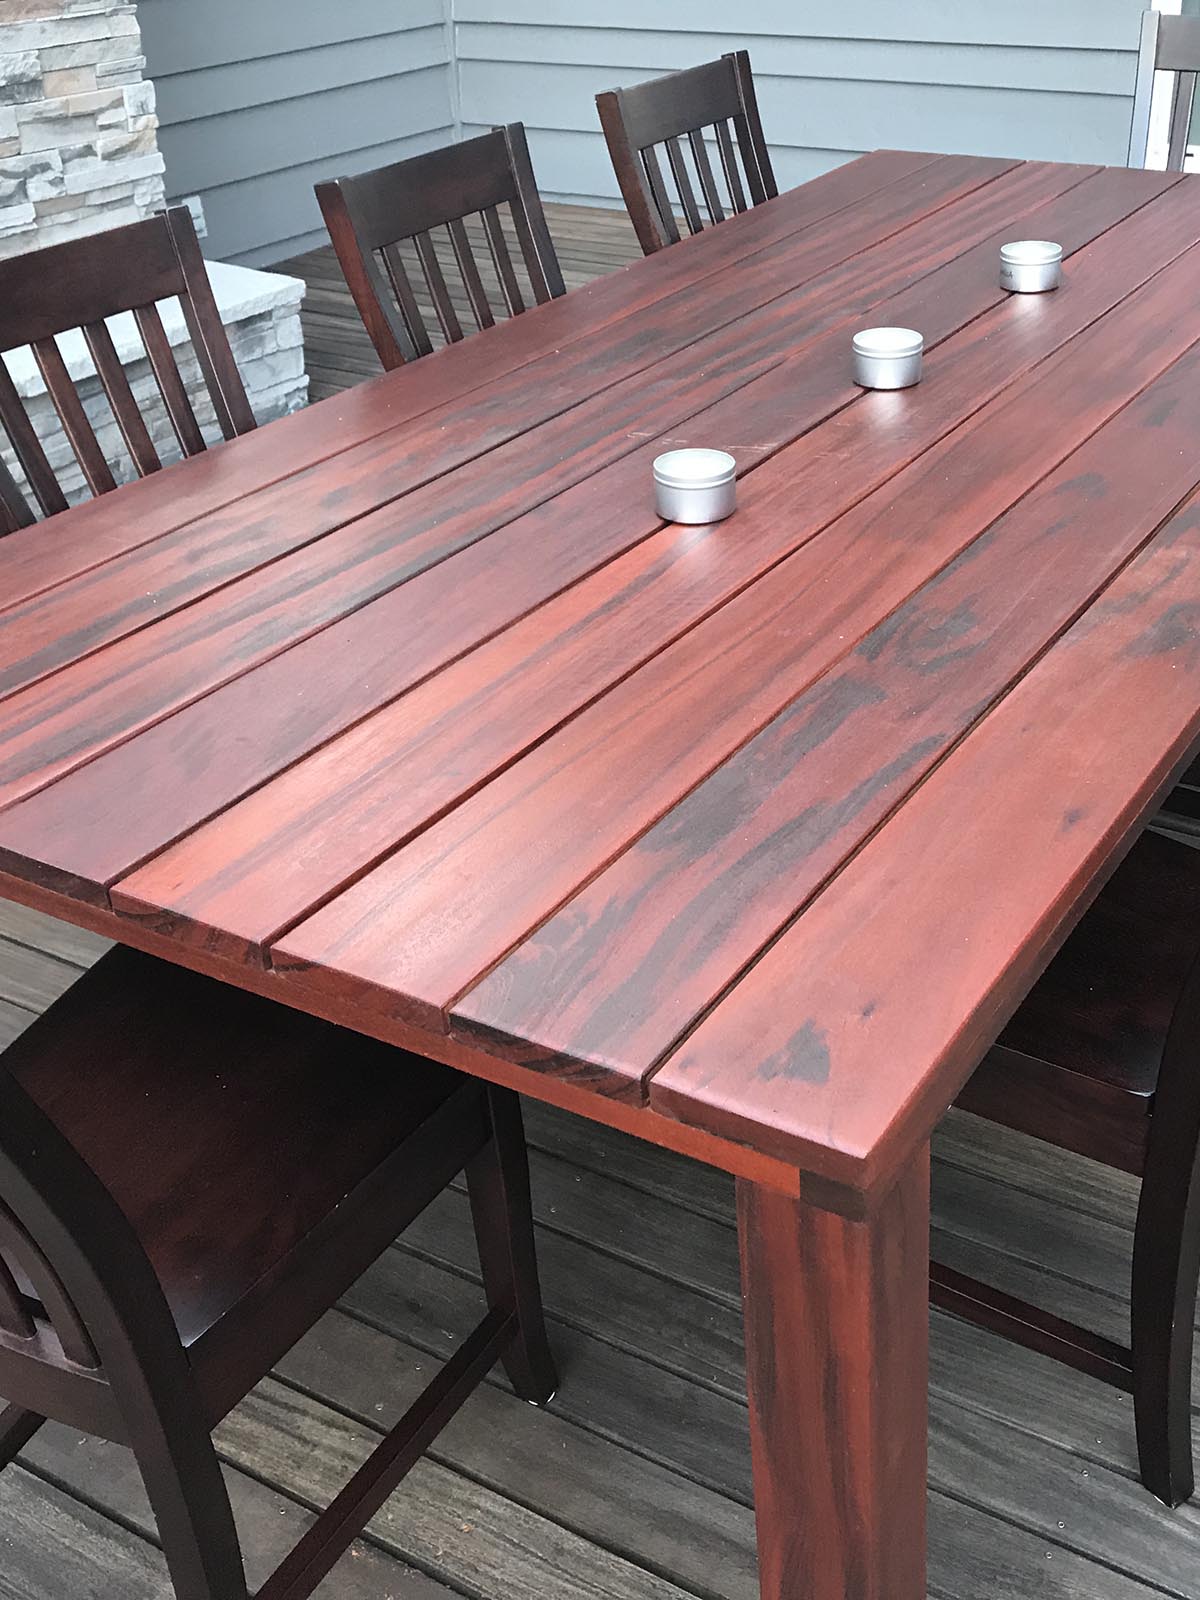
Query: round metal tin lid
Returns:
{"type": "Point", "coordinates": [1030, 252]}
{"type": "Point", "coordinates": [694, 469]}
{"type": "Point", "coordinates": [888, 342]}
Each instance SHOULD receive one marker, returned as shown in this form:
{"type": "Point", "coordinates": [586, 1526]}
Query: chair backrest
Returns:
{"type": "Point", "coordinates": [667, 111]}
{"type": "Point", "coordinates": [1168, 44]}
{"type": "Point", "coordinates": [386, 225]}
{"type": "Point", "coordinates": [78, 285]}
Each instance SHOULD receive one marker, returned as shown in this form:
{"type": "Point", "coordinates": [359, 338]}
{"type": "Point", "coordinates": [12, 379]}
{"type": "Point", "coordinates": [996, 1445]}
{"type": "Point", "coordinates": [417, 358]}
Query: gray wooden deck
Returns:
{"type": "Point", "coordinates": [634, 1484]}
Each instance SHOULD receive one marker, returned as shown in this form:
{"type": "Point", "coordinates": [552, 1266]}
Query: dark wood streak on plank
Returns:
{"type": "Point", "coordinates": [329, 818]}
{"type": "Point", "coordinates": [1118, 694]}
{"type": "Point", "coordinates": [628, 965]}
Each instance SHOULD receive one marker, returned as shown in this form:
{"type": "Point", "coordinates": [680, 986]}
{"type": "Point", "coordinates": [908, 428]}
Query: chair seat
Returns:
{"type": "Point", "coordinates": [231, 1129]}
{"type": "Point", "coordinates": [1080, 1060]}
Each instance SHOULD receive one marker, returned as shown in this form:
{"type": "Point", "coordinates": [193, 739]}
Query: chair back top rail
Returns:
{"type": "Point", "coordinates": [80, 284]}
{"type": "Point", "coordinates": [679, 107]}
{"type": "Point", "coordinates": [372, 215]}
{"type": "Point", "coordinates": [1168, 44]}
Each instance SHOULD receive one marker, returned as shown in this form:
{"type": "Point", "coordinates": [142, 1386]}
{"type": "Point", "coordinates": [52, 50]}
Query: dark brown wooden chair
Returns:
{"type": "Point", "coordinates": [666, 111]}
{"type": "Point", "coordinates": [374, 216]}
{"type": "Point", "coordinates": [1171, 45]}
{"type": "Point", "coordinates": [77, 285]}
{"type": "Point", "coordinates": [1102, 1058]}
{"type": "Point", "coordinates": [189, 1177]}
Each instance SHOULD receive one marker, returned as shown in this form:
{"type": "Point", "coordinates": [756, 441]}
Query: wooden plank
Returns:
{"type": "Point", "coordinates": [106, 1476]}
{"type": "Point", "coordinates": [587, 401]}
{"type": "Point", "coordinates": [415, 1300]}
{"type": "Point", "coordinates": [1068, 777]}
{"type": "Point", "coordinates": [466, 892]}
{"type": "Point", "coordinates": [40, 932]}
{"type": "Point", "coordinates": [626, 967]}
{"type": "Point", "coordinates": [31, 979]}
{"type": "Point", "coordinates": [591, 1485]}
{"type": "Point", "coordinates": [55, 1546]}
{"type": "Point", "coordinates": [153, 506]}
{"type": "Point", "coordinates": [512, 691]}
{"type": "Point", "coordinates": [460, 1532]}
{"type": "Point", "coordinates": [244, 623]}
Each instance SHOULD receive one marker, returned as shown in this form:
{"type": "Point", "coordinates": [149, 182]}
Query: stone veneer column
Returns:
{"type": "Point", "coordinates": [78, 142]}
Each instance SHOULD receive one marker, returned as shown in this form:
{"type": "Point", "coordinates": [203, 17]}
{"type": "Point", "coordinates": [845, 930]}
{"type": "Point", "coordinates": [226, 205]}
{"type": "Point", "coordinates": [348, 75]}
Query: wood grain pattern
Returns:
{"type": "Point", "coordinates": [261, 615]}
{"type": "Point", "coordinates": [463, 891]}
{"type": "Point", "coordinates": [847, 1069]}
{"type": "Point", "coordinates": [626, 966]}
{"type": "Point", "coordinates": [355, 479]}
{"type": "Point", "coordinates": [837, 1334]}
{"type": "Point", "coordinates": [148, 509]}
{"type": "Point", "coordinates": [442, 757]}
{"type": "Point", "coordinates": [359, 486]}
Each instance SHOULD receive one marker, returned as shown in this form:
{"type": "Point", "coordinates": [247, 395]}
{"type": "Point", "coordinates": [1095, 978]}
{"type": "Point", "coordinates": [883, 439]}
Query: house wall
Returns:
{"type": "Point", "coordinates": [1049, 79]}
{"type": "Point", "coordinates": [258, 99]}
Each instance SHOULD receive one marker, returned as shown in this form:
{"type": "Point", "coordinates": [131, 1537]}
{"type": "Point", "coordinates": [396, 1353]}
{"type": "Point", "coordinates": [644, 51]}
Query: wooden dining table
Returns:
{"type": "Point", "coordinates": [409, 711]}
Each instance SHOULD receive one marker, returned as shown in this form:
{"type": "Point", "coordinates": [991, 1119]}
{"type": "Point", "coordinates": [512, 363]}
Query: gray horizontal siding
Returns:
{"type": "Point", "coordinates": [260, 99]}
{"type": "Point", "coordinates": [1029, 79]}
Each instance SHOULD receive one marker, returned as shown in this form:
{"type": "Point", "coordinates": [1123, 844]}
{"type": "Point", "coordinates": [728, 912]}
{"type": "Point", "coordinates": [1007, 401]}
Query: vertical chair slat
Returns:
{"type": "Point", "coordinates": [683, 185]}
{"type": "Point", "coordinates": [472, 282]}
{"type": "Point", "coordinates": [14, 509]}
{"type": "Point", "coordinates": [712, 199]}
{"type": "Point", "coordinates": [530, 219]}
{"type": "Point", "coordinates": [409, 309]}
{"type": "Point", "coordinates": [206, 330]}
{"type": "Point", "coordinates": [1181, 119]}
{"type": "Point", "coordinates": [170, 384]}
{"type": "Point", "coordinates": [73, 417]}
{"type": "Point", "coordinates": [658, 189]}
{"type": "Point", "coordinates": [733, 177]}
{"type": "Point", "coordinates": [759, 173]}
{"type": "Point", "coordinates": [121, 398]}
{"type": "Point", "coordinates": [436, 283]}
{"type": "Point", "coordinates": [28, 448]}
{"type": "Point", "coordinates": [505, 271]}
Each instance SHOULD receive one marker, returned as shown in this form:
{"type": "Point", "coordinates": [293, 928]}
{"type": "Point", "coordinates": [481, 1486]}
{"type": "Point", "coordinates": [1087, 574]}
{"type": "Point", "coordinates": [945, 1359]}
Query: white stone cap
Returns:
{"type": "Point", "coordinates": [240, 292]}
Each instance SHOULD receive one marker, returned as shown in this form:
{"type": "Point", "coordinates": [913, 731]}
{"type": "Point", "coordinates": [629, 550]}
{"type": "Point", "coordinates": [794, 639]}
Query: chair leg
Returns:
{"type": "Point", "coordinates": [1166, 1262]}
{"type": "Point", "coordinates": [17, 1427]}
{"type": "Point", "coordinates": [187, 1494]}
{"type": "Point", "coordinates": [498, 1183]}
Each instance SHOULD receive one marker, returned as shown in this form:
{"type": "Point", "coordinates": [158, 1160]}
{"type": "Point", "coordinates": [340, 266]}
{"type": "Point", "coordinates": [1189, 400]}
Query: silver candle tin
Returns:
{"type": "Point", "coordinates": [1030, 266]}
{"type": "Point", "coordinates": [887, 358]}
{"type": "Point", "coordinates": [695, 485]}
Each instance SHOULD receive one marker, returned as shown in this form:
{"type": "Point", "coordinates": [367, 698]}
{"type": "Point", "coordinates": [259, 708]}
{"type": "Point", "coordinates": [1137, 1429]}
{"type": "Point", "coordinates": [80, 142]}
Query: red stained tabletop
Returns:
{"type": "Point", "coordinates": [409, 708]}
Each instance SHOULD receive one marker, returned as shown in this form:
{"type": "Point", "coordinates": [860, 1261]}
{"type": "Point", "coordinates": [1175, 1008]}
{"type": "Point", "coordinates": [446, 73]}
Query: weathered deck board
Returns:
{"type": "Point", "coordinates": [635, 1483]}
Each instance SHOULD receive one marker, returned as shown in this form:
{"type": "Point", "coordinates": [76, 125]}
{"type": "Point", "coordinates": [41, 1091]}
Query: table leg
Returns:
{"type": "Point", "coordinates": [837, 1360]}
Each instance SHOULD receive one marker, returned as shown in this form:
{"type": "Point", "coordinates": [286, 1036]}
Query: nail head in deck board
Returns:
{"type": "Point", "coordinates": [258, 867]}
{"type": "Point", "coordinates": [903, 914]}
{"type": "Point", "coordinates": [633, 960]}
{"type": "Point", "coordinates": [98, 531]}
{"type": "Point", "coordinates": [469, 889]}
